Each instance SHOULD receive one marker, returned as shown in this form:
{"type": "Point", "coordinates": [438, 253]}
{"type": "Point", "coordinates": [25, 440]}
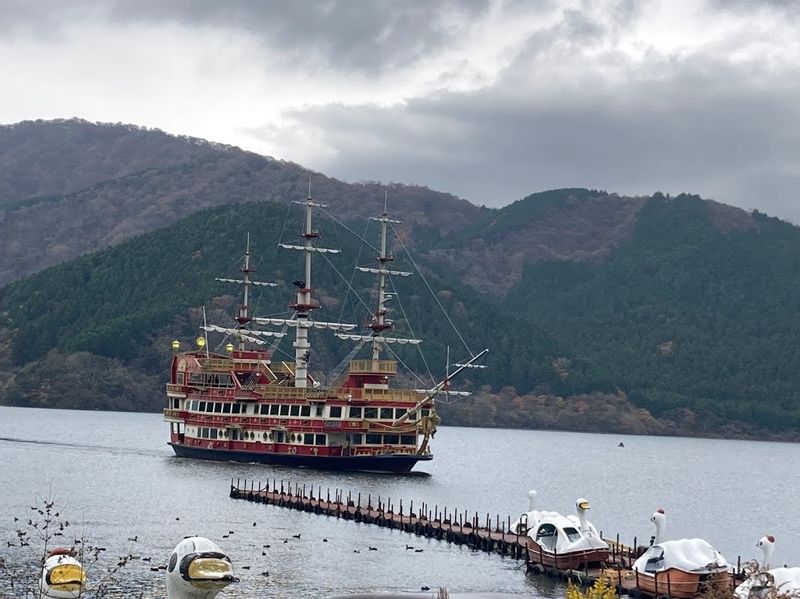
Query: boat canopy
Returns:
{"type": "Point", "coordinates": [688, 555]}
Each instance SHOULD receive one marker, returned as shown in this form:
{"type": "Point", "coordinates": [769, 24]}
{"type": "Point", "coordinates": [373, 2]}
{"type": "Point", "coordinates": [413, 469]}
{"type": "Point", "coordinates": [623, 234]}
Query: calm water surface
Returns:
{"type": "Point", "coordinates": [113, 475]}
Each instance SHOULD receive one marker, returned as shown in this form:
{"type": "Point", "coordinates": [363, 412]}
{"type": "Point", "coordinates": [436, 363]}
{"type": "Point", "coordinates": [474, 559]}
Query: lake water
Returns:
{"type": "Point", "coordinates": [114, 478]}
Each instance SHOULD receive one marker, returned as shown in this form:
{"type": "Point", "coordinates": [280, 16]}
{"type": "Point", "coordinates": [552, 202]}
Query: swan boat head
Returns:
{"type": "Point", "coordinates": [198, 569]}
{"type": "Point", "coordinates": [528, 520]}
{"type": "Point", "coordinates": [63, 576]}
{"type": "Point", "coordinates": [769, 582]}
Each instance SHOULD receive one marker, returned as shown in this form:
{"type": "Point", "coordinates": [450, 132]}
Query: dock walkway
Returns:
{"type": "Point", "coordinates": [458, 527]}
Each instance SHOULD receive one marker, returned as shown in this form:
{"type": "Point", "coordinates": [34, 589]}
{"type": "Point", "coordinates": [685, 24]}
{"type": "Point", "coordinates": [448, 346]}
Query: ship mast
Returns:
{"type": "Point", "coordinates": [379, 322]}
{"type": "Point", "coordinates": [304, 304]}
{"type": "Point", "coordinates": [243, 317]}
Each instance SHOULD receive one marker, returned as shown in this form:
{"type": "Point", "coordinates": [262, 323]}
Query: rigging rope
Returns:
{"type": "Point", "coordinates": [422, 276]}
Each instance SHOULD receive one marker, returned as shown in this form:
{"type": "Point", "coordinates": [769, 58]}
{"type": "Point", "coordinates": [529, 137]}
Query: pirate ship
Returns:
{"type": "Point", "coordinates": [246, 406]}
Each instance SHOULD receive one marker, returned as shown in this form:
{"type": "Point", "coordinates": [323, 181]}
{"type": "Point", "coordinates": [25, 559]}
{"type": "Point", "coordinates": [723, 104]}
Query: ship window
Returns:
{"type": "Point", "coordinates": [273, 409]}
{"type": "Point", "coordinates": [284, 410]}
{"type": "Point", "coordinates": [195, 378]}
{"type": "Point", "coordinates": [370, 412]}
{"type": "Point", "coordinates": [355, 412]}
{"type": "Point", "coordinates": [294, 410]}
{"type": "Point", "coordinates": [263, 410]}
{"type": "Point", "coordinates": [235, 408]}
{"type": "Point", "coordinates": [335, 411]}
{"type": "Point", "coordinates": [213, 433]}
{"type": "Point", "coordinates": [308, 439]}
{"type": "Point", "coordinates": [356, 439]}
{"type": "Point", "coordinates": [373, 439]}
{"type": "Point", "coordinates": [291, 438]}
{"type": "Point", "coordinates": [226, 408]}
{"type": "Point", "coordinates": [305, 411]}
{"type": "Point", "coordinates": [320, 440]}
{"type": "Point", "coordinates": [391, 439]}
{"type": "Point", "coordinates": [217, 407]}
{"type": "Point", "coordinates": [317, 410]}
{"type": "Point", "coordinates": [265, 436]}
{"type": "Point", "coordinates": [400, 412]}
{"type": "Point", "coordinates": [408, 439]}
{"type": "Point", "coordinates": [202, 406]}
{"type": "Point", "coordinates": [386, 413]}
{"type": "Point", "coordinates": [424, 413]}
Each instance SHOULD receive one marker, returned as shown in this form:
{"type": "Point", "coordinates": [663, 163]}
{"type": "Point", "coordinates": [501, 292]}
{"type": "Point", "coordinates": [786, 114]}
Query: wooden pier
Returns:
{"type": "Point", "coordinates": [459, 527]}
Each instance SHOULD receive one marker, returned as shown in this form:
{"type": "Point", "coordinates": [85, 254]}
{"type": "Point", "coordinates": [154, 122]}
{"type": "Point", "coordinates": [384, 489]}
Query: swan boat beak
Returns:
{"type": "Point", "coordinates": [584, 505]}
{"type": "Point", "coordinates": [208, 570]}
{"type": "Point", "coordinates": [66, 578]}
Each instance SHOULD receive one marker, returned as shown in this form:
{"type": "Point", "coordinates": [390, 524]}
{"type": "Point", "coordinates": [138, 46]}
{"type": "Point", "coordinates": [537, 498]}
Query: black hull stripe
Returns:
{"type": "Point", "coordinates": [397, 464]}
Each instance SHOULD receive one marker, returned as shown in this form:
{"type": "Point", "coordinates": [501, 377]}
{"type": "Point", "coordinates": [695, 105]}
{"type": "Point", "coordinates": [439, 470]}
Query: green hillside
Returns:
{"type": "Point", "coordinates": [123, 305]}
{"type": "Point", "coordinates": [683, 314]}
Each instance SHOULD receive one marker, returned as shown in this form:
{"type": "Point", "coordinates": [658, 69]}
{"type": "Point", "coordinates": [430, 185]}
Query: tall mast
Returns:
{"type": "Point", "coordinates": [304, 305]}
{"type": "Point", "coordinates": [244, 310]}
{"type": "Point", "coordinates": [243, 317]}
{"type": "Point", "coordinates": [379, 322]}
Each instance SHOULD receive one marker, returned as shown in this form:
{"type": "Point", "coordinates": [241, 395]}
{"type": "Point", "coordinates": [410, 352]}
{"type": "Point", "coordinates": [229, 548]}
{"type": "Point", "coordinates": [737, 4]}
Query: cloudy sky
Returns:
{"type": "Point", "coordinates": [490, 100]}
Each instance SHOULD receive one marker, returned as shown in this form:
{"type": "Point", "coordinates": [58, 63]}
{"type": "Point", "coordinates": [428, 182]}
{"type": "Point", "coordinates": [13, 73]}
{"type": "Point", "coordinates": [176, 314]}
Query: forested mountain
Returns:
{"type": "Point", "coordinates": [70, 187]}
{"type": "Point", "coordinates": [645, 314]}
{"type": "Point", "coordinates": [125, 304]}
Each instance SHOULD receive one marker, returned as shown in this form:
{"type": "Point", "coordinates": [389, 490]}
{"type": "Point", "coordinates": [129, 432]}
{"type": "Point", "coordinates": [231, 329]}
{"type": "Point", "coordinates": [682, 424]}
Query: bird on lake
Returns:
{"type": "Point", "coordinates": [297, 536]}
{"type": "Point", "coordinates": [373, 548]}
{"type": "Point", "coordinates": [409, 547]}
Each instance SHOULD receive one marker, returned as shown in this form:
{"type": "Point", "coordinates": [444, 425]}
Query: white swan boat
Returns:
{"type": "Point", "coordinates": [198, 569]}
{"type": "Point", "coordinates": [63, 576]}
{"type": "Point", "coordinates": [769, 581]}
{"type": "Point", "coordinates": [562, 542]}
{"type": "Point", "coordinates": [680, 569]}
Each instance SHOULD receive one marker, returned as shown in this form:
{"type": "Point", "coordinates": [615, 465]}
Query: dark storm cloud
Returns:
{"type": "Point", "coordinates": [368, 35]}
{"type": "Point", "coordinates": [701, 128]}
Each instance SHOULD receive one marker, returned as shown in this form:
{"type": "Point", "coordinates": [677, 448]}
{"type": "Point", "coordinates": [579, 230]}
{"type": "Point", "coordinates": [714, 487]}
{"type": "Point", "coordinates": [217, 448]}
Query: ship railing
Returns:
{"type": "Point", "coordinates": [171, 414]}
{"type": "Point", "coordinates": [216, 363]}
{"type": "Point", "coordinates": [386, 367]}
{"type": "Point", "coordinates": [177, 389]}
{"type": "Point", "coordinates": [278, 392]}
{"type": "Point", "coordinates": [386, 394]}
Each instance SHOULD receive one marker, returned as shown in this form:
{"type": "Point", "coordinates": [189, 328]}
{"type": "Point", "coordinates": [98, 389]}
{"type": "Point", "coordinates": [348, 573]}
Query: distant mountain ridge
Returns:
{"type": "Point", "coordinates": [75, 187]}
{"type": "Point", "coordinates": [654, 314]}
